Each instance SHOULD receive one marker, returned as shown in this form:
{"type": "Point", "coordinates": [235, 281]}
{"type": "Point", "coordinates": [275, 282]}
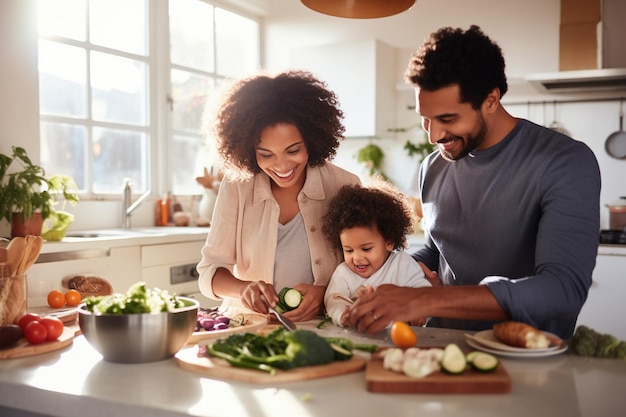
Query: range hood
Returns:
{"type": "Point", "coordinates": [605, 79]}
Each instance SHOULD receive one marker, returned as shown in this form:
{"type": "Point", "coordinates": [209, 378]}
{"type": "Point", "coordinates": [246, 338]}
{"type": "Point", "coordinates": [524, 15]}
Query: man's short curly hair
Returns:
{"type": "Point", "coordinates": [451, 56]}
{"type": "Point", "coordinates": [246, 106]}
{"type": "Point", "coordinates": [381, 207]}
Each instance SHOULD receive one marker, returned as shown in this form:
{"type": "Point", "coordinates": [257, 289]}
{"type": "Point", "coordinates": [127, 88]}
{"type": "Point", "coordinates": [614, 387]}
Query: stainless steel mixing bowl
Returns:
{"type": "Point", "coordinates": [138, 338]}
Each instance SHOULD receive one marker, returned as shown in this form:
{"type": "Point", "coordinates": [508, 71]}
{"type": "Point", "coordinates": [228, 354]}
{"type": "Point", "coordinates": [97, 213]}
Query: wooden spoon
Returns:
{"type": "Point", "coordinates": [15, 252]}
{"type": "Point", "coordinates": [34, 245]}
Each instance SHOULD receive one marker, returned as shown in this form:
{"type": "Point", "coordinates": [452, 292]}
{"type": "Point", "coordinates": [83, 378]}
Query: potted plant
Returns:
{"type": "Point", "coordinates": [28, 196]}
{"type": "Point", "coordinates": [422, 148]}
{"type": "Point", "coordinates": [372, 156]}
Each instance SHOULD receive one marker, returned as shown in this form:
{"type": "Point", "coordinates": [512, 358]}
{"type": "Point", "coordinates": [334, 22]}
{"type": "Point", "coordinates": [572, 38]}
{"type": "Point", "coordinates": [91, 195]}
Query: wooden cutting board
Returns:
{"type": "Point", "coordinates": [379, 379]}
{"type": "Point", "coordinates": [23, 348]}
{"type": "Point", "coordinates": [218, 368]}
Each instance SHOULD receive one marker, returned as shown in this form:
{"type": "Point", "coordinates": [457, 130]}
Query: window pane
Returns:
{"type": "Point", "coordinates": [189, 92]}
{"type": "Point", "coordinates": [63, 18]}
{"type": "Point", "coordinates": [63, 151]}
{"type": "Point", "coordinates": [118, 89]}
{"type": "Point", "coordinates": [62, 80]}
{"type": "Point", "coordinates": [237, 44]}
{"type": "Point", "coordinates": [119, 24]}
{"type": "Point", "coordinates": [119, 154]}
{"type": "Point", "coordinates": [191, 34]}
{"type": "Point", "coordinates": [188, 161]}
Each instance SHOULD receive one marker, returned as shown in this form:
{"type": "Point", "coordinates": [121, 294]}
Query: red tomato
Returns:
{"type": "Point", "coordinates": [35, 333]}
{"type": "Point", "coordinates": [54, 327]}
{"type": "Point", "coordinates": [27, 318]}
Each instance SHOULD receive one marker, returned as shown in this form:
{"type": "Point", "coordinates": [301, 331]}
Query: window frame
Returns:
{"type": "Point", "coordinates": [159, 126]}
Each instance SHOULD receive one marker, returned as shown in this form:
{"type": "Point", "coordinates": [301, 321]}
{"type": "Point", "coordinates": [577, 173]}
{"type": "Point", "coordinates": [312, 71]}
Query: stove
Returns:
{"type": "Point", "coordinates": [613, 237]}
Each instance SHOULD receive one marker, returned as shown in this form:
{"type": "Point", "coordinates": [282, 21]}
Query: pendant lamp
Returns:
{"type": "Point", "coordinates": [359, 9]}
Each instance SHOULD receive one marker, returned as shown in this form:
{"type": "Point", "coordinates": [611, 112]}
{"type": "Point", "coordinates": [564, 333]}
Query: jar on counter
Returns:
{"type": "Point", "coordinates": [617, 214]}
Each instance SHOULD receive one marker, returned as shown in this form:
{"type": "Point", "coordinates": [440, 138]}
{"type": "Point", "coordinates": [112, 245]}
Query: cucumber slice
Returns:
{"type": "Point", "coordinates": [470, 356]}
{"type": "Point", "coordinates": [341, 353]}
{"type": "Point", "coordinates": [289, 298]}
{"type": "Point", "coordinates": [453, 360]}
{"type": "Point", "coordinates": [484, 362]}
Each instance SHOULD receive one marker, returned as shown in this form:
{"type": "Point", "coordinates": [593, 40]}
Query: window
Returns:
{"type": "Point", "coordinates": [121, 98]}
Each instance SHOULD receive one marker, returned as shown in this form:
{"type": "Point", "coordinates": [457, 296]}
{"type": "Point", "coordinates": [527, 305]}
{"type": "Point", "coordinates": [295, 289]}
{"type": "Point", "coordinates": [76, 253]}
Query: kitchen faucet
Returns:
{"type": "Point", "coordinates": [127, 207]}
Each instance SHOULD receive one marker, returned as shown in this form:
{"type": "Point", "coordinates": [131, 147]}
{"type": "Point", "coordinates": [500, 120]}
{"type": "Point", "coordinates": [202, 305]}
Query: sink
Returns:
{"type": "Point", "coordinates": [108, 233]}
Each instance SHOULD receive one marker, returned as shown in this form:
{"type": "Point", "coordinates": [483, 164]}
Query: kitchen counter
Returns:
{"type": "Point", "coordinates": [111, 238]}
{"type": "Point", "coordinates": [75, 382]}
{"type": "Point", "coordinates": [417, 240]}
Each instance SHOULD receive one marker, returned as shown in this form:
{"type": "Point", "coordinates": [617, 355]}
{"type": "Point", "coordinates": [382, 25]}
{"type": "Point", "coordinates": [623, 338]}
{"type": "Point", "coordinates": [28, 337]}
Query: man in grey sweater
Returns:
{"type": "Point", "coordinates": [511, 208]}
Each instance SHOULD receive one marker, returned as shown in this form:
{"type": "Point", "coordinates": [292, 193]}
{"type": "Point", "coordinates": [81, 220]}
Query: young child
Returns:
{"type": "Point", "coordinates": [370, 226]}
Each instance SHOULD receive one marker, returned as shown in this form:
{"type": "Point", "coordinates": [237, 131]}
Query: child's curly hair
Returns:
{"type": "Point", "coordinates": [380, 206]}
{"type": "Point", "coordinates": [248, 105]}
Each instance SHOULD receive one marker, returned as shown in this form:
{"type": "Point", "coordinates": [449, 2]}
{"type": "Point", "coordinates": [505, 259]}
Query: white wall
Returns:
{"type": "Point", "coordinates": [526, 30]}
{"type": "Point", "coordinates": [528, 33]}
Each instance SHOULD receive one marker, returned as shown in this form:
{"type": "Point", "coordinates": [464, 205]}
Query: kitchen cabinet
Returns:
{"type": "Point", "coordinates": [605, 308]}
{"type": "Point", "coordinates": [122, 257]}
{"type": "Point", "coordinates": [118, 265]}
{"type": "Point", "coordinates": [172, 266]}
{"type": "Point", "coordinates": [362, 74]}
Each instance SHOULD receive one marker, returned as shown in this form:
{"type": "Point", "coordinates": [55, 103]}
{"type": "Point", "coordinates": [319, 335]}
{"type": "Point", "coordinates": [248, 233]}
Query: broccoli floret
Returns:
{"type": "Point", "coordinates": [620, 351]}
{"type": "Point", "coordinates": [307, 348]}
{"type": "Point", "coordinates": [588, 342]}
{"type": "Point", "coordinates": [584, 341]}
{"type": "Point", "coordinates": [606, 344]}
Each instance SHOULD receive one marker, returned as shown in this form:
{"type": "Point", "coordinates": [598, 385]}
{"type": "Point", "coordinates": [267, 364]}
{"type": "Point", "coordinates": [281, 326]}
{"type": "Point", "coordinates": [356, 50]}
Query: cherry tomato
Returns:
{"type": "Point", "coordinates": [56, 299]}
{"type": "Point", "coordinates": [54, 327]}
{"type": "Point", "coordinates": [27, 318]}
{"type": "Point", "coordinates": [35, 333]}
{"type": "Point", "coordinates": [402, 335]}
{"type": "Point", "coordinates": [72, 298]}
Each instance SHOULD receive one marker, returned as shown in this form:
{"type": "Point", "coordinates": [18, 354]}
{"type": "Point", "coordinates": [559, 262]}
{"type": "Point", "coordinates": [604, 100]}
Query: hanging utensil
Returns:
{"type": "Point", "coordinates": [615, 144]}
{"type": "Point", "coordinates": [556, 126]}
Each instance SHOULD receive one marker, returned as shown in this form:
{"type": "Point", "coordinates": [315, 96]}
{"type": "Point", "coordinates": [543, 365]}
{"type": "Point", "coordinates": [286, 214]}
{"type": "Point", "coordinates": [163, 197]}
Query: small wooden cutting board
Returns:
{"type": "Point", "coordinates": [23, 348]}
{"type": "Point", "coordinates": [218, 368]}
{"type": "Point", "coordinates": [382, 380]}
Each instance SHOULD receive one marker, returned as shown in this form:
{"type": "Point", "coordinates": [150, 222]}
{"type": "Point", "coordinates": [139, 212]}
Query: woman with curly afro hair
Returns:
{"type": "Point", "coordinates": [370, 226]}
{"type": "Point", "coordinates": [275, 136]}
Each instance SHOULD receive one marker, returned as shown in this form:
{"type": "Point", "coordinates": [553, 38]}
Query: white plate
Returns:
{"type": "Point", "coordinates": [528, 353]}
{"type": "Point", "coordinates": [253, 322]}
{"type": "Point", "coordinates": [488, 339]}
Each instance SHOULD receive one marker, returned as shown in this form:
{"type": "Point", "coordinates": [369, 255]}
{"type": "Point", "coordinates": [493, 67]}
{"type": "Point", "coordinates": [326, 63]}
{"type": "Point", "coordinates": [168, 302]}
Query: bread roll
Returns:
{"type": "Point", "coordinates": [514, 333]}
{"type": "Point", "coordinates": [88, 286]}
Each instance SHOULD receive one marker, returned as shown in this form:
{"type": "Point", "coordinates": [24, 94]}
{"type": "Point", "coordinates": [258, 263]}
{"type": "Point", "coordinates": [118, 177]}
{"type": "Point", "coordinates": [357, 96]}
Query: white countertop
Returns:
{"type": "Point", "coordinates": [417, 240]}
{"type": "Point", "coordinates": [125, 237]}
{"type": "Point", "coordinates": [76, 382]}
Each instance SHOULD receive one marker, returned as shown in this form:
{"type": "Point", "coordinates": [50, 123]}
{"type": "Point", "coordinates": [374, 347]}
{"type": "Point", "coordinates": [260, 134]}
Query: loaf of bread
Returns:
{"type": "Point", "coordinates": [88, 286]}
{"type": "Point", "coordinates": [514, 333]}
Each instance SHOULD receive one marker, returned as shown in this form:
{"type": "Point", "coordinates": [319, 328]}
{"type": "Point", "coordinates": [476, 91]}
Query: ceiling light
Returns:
{"type": "Point", "coordinates": [359, 9]}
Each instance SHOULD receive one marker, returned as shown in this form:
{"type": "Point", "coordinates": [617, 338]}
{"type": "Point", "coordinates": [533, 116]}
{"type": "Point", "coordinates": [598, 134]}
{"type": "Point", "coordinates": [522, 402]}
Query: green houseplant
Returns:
{"type": "Point", "coordinates": [372, 156]}
{"type": "Point", "coordinates": [26, 193]}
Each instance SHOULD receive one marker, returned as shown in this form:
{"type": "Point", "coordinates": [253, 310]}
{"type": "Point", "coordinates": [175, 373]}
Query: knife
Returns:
{"type": "Point", "coordinates": [289, 325]}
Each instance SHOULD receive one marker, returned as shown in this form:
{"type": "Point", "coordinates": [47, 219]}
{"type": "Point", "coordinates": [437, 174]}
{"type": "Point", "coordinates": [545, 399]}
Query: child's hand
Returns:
{"type": "Point", "coordinates": [343, 320]}
{"type": "Point", "coordinates": [363, 289]}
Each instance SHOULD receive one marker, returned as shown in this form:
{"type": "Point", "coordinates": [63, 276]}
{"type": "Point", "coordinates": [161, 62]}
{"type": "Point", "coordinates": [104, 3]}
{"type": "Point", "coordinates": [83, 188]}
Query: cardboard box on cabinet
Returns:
{"type": "Point", "coordinates": [592, 34]}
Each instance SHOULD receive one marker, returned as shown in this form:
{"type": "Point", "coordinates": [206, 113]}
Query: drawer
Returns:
{"type": "Point", "coordinates": [171, 254]}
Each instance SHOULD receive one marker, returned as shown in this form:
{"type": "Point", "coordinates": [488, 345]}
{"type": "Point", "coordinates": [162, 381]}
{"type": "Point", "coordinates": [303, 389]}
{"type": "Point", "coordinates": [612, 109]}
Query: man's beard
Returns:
{"type": "Point", "coordinates": [471, 142]}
